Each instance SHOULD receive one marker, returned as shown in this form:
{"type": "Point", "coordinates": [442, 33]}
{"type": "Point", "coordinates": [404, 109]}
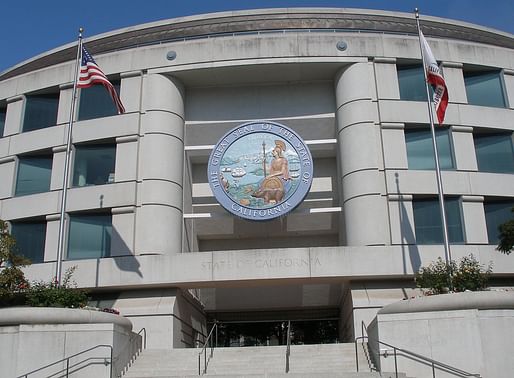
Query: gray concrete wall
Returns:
{"type": "Point", "coordinates": [33, 338]}
{"type": "Point", "coordinates": [171, 318]}
{"type": "Point", "coordinates": [468, 331]}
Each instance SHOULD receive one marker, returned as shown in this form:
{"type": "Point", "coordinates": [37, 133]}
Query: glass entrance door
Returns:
{"type": "Point", "coordinates": [269, 333]}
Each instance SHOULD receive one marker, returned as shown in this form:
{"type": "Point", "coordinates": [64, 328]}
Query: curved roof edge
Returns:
{"type": "Point", "coordinates": [481, 300]}
{"type": "Point", "coordinates": [242, 21]}
{"type": "Point", "coordinates": [55, 315]}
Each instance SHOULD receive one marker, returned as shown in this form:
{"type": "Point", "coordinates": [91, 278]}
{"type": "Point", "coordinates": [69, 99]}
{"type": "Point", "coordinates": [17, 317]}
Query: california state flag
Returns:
{"type": "Point", "coordinates": [435, 79]}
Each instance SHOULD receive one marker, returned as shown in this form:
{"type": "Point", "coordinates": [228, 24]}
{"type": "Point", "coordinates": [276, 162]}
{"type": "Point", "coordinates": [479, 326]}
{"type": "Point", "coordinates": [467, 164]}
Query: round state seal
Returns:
{"type": "Point", "coordinates": [260, 170]}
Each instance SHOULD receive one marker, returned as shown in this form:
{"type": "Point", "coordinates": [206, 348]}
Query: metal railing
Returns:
{"type": "Point", "coordinates": [288, 347]}
{"type": "Point", "coordinates": [134, 347]}
{"type": "Point", "coordinates": [214, 331]}
{"type": "Point", "coordinates": [400, 352]}
{"type": "Point", "coordinates": [66, 371]}
{"type": "Point", "coordinates": [143, 331]}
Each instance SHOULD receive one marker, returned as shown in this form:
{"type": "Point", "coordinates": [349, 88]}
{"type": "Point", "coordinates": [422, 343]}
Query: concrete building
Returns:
{"type": "Point", "coordinates": [144, 230]}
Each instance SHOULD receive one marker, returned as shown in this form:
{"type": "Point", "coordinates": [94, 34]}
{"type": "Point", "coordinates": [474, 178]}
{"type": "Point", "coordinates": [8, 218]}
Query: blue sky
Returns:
{"type": "Point", "coordinates": [31, 27]}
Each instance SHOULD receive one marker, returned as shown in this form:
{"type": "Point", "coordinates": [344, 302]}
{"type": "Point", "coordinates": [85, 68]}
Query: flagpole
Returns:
{"type": "Point", "coordinates": [65, 181]}
{"type": "Point", "coordinates": [448, 256]}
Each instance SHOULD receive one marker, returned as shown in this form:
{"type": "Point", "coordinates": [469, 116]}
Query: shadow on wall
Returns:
{"type": "Point", "coordinates": [124, 258]}
{"type": "Point", "coordinates": [121, 254]}
{"type": "Point", "coordinates": [408, 237]}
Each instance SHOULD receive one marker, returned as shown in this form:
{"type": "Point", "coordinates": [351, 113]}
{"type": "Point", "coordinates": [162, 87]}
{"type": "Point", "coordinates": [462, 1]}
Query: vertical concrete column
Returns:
{"type": "Point", "coordinates": [14, 115]}
{"type": "Point", "coordinates": [394, 148]}
{"type": "Point", "coordinates": [161, 161]}
{"type": "Point", "coordinates": [360, 155]}
{"type": "Point", "coordinates": [52, 237]}
{"type": "Point", "coordinates": [8, 175]}
{"type": "Point", "coordinates": [464, 148]}
{"type": "Point", "coordinates": [130, 90]}
{"type": "Point", "coordinates": [65, 96]}
{"type": "Point", "coordinates": [473, 215]}
{"type": "Point", "coordinates": [386, 78]}
{"type": "Point", "coordinates": [454, 78]}
{"type": "Point", "coordinates": [122, 238]}
{"type": "Point", "coordinates": [401, 217]}
{"type": "Point", "coordinates": [508, 78]}
{"type": "Point", "coordinates": [59, 158]}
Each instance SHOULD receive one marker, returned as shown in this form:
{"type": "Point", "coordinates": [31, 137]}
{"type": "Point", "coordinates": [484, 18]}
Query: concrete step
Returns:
{"type": "Point", "coordinates": [283, 375]}
{"type": "Point", "coordinates": [322, 360]}
{"type": "Point", "coordinates": [286, 375]}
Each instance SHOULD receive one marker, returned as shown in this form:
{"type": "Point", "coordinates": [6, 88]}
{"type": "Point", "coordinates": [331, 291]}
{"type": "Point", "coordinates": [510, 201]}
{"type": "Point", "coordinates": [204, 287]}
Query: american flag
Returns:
{"type": "Point", "coordinates": [90, 74]}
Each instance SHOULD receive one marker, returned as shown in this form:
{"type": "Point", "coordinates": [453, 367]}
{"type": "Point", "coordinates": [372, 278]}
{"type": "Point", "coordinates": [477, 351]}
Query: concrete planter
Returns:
{"type": "Point", "coordinates": [32, 337]}
{"type": "Point", "coordinates": [470, 331]}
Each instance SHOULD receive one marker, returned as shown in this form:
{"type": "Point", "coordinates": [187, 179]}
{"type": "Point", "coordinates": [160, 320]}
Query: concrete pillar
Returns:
{"type": "Point", "coordinates": [360, 151]}
{"type": "Point", "coordinates": [473, 216]}
{"type": "Point", "coordinates": [14, 115]}
{"type": "Point", "coordinates": [402, 219]}
{"type": "Point", "coordinates": [59, 158]}
{"type": "Point", "coordinates": [454, 78]}
{"type": "Point", "coordinates": [8, 174]}
{"type": "Point", "coordinates": [130, 90]}
{"type": "Point", "coordinates": [65, 96]}
{"type": "Point", "coordinates": [160, 209]}
{"type": "Point", "coordinates": [122, 238]}
{"type": "Point", "coordinates": [464, 148]}
{"type": "Point", "coordinates": [52, 237]}
{"type": "Point", "coordinates": [508, 79]}
{"type": "Point", "coordinates": [386, 78]}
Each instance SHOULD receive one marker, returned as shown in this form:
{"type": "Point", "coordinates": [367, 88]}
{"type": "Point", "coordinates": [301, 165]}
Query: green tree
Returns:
{"type": "Point", "coordinates": [13, 284]}
{"type": "Point", "coordinates": [506, 244]}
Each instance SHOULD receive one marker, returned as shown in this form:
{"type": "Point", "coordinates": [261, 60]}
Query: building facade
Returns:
{"type": "Point", "coordinates": [147, 235]}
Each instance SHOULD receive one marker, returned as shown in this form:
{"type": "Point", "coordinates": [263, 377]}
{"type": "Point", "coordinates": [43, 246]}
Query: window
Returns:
{"type": "Point", "coordinates": [30, 239]}
{"type": "Point", "coordinates": [494, 152]}
{"type": "Point", "coordinates": [420, 150]}
{"type": "Point", "coordinates": [2, 121]}
{"type": "Point", "coordinates": [40, 111]}
{"type": "Point", "coordinates": [412, 83]}
{"type": "Point", "coordinates": [497, 213]}
{"type": "Point", "coordinates": [428, 225]}
{"type": "Point", "coordinates": [484, 88]}
{"type": "Point", "coordinates": [34, 174]}
{"type": "Point", "coordinates": [94, 164]}
{"type": "Point", "coordinates": [96, 102]}
{"type": "Point", "coordinates": [89, 236]}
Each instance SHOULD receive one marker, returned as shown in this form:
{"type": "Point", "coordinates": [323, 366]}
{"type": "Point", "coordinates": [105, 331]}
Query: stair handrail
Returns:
{"type": "Point", "coordinates": [204, 349]}
{"type": "Point", "coordinates": [413, 356]}
{"type": "Point", "coordinates": [136, 349]}
{"type": "Point", "coordinates": [288, 348]}
{"type": "Point", "coordinates": [143, 331]}
{"type": "Point", "coordinates": [67, 359]}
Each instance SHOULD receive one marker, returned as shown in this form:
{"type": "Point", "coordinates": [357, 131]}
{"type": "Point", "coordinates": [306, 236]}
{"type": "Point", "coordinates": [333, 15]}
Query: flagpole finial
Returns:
{"type": "Point", "coordinates": [81, 30]}
{"type": "Point", "coordinates": [416, 12]}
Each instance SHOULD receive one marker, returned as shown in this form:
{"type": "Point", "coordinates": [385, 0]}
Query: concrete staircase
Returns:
{"type": "Point", "coordinates": [322, 360]}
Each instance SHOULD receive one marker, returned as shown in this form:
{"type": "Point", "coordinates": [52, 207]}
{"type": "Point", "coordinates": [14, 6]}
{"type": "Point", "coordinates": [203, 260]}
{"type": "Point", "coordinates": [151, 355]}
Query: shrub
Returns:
{"type": "Point", "coordinates": [50, 294]}
{"type": "Point", "coordinates": [15, 290]}
{"type": "Point", "coordinates": [440, 276]}
{"type": "Point", "coordinates": [435, 277]}
{"type": "Point", "coordinates": [470, 275]}
{"type": "Point", "coordinates": [13, 284]}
